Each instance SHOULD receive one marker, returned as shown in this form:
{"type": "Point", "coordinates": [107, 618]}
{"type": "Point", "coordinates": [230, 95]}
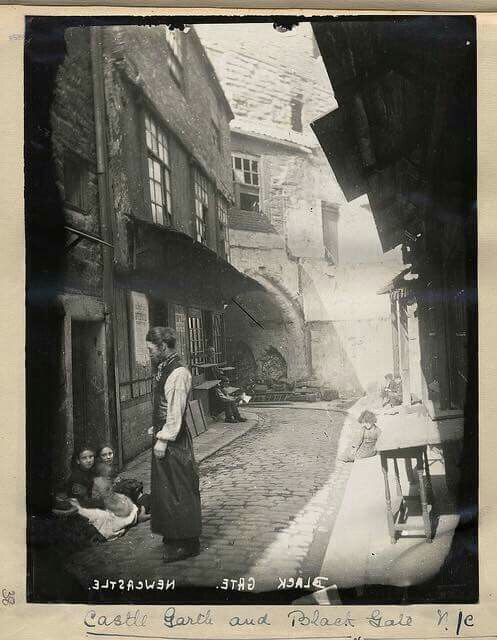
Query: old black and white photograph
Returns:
{"type": "Point", "coordinates": [251, 310]}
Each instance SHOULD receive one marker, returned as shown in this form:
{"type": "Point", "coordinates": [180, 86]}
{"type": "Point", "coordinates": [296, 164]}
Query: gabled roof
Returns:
{"type": "Point", "coordinates": [212, 72]}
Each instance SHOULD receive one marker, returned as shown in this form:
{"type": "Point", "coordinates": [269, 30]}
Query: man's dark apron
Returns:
{"type": "Point", "coordinates": [176, 510]}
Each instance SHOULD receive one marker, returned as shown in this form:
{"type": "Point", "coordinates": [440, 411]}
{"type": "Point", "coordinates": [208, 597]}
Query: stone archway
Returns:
{"type": "Point", "coordinates": [242, 358]}
{"type": "Point", "coordinates": [280, 329]}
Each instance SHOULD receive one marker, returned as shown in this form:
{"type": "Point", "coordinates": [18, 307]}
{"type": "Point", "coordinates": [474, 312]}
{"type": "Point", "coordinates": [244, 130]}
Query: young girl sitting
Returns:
{"type": "Point", "coordinates": [80, 481]}
{"type": "Point", "coordinates": [105, 454]}
{"type": "Point", "coordinates": [365, 446]}
{"type": "Point", "coordinates": [126, 486]}
{"type": "Point", "coordinates": [364, 438]}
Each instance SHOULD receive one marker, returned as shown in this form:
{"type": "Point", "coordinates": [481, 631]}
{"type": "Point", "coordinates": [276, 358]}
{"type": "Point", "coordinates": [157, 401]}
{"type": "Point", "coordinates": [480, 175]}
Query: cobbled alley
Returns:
{"type": "Point", "coordinates": [268, 501]}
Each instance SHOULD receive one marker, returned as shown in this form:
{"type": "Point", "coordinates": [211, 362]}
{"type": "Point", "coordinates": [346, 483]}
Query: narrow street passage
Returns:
{"type": "Point", "coordinates": [264, 497]}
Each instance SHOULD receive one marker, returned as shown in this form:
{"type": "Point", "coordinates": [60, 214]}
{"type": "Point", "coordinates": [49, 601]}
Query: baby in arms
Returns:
{"type": "Point", "coordinates": [117, 512]}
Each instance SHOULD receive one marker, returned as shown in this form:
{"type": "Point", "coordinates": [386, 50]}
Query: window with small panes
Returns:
{"type": "Point", "coordinates": [246, 181]}
{"type": "Point", "coordinates": [201, 204]}
{"type": "Point", "coordinates": [159, 171]}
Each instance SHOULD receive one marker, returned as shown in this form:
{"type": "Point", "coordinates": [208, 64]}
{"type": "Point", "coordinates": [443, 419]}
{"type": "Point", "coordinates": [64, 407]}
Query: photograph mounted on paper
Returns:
{"type": "Point", "coordinates": [251, 310]}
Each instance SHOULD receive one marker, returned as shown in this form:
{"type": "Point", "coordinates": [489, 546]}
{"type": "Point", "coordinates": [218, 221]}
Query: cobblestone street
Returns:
{"type": "Point", "coordinates": [267, 497]}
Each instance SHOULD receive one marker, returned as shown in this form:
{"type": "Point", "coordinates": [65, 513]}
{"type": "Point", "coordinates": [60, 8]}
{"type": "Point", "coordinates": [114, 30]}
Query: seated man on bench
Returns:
{"type": "Point", "coordinates": [228, 402]}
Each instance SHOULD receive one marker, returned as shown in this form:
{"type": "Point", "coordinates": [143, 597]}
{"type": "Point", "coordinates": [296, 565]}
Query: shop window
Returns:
{"type": "Point", "coordinates": [329, 214]}
{"type": "Point", "coordinates": [180, 326]}
{"type": "Point", "coordinates": [174, 40]}
{"type": "Point", "coordinates": [218, 337]}
{"type": "Point", "coordinates": [247, 181]}
{"type": "Point", "coordinates": [201, 203]}
{"type": "Point", "coordinates": [296, 105]}
{"type": "Point", "coordinates": [159, 171]}
{"type": "Point", "coordinates": [196, 336]}
{"type": "Point", "coordinates": [76, 179]}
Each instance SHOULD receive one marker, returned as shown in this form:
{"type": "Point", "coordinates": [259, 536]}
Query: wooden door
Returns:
{"type": "Point", "coordinates": [89, 383]}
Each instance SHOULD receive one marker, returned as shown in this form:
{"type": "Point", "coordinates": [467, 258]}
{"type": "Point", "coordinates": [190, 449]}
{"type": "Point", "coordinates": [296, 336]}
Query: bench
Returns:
{"type": "Point", "coordinates": [205, 386]}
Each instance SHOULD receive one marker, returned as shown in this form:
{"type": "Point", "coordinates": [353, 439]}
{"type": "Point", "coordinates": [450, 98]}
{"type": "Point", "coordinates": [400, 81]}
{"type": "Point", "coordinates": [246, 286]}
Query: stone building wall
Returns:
{"type": "Point", "coordinates": [135, 81]}
{"type": "Point", "coordinates": [260, 83]}
{"type": "Point", "coordinates": [139, 81]}
{"type": "Point", "coordinates": [73, 136]}
{"type": "Point", "coordinates": [346, 340]}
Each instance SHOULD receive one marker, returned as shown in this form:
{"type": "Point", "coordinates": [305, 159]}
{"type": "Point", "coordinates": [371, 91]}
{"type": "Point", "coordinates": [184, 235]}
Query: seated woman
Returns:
{"type": "Point", "coordinates": [126, 486]}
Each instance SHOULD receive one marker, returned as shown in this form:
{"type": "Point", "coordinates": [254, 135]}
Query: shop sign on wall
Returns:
{"type": "Point", "coordinates": [140, 326]}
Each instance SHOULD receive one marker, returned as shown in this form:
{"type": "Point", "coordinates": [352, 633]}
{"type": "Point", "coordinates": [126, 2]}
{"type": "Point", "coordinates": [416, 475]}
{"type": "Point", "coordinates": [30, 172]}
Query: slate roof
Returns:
{"type": "Point", "coordinates": [250, 221]}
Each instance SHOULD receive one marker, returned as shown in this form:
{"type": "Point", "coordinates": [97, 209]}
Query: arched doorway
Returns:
{"type": "Point", "coordinates": [242, 358]}
{"type": "Point", "coordinates": [273, 365]}
{"type": "Point", "coordinates": [273, 329]}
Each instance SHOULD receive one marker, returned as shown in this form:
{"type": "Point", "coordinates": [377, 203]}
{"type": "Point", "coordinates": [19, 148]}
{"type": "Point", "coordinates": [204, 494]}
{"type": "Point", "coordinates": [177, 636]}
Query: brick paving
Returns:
{"type": "Point", "coordinates": [266, 498]}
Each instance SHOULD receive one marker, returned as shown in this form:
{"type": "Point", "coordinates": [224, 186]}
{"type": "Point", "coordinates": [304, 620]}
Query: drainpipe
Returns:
{"type": "Point", "coordinates": [107, 219]}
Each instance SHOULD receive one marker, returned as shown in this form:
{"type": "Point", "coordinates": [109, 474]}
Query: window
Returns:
{"type": "Point", "coordinates": [218, 340]}
{"type": "Point", "coordinates": [246, 178]}
{"type": "Point", "coordinates": [76, 178]}
{"type": "Point", "coordinates": [329, 213]}
{"type": "Point", "coordinates": [181, 331]}
{"type": "Point", "coordinates": [175, 61]}
{"type": "Point", "coordinates": [296, 112]}
{"type": "Point", "coordinates": [222, 216]}
{"type": "Point", "coordinates": [197, 339]}
{"type": "Point", "coordinates": [201, 198]}
{"type": "Point", "coordinates": [159, 172]}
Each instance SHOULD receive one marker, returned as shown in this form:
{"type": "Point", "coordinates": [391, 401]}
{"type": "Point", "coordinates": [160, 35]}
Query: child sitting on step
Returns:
{"type": "Point", "coordinates": [365, 445]}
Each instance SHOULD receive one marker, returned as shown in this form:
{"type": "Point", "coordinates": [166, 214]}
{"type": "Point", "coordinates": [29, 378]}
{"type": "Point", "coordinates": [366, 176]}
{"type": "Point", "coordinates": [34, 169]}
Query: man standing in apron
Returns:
{"type": "Point", "coordinates": [175, 504]}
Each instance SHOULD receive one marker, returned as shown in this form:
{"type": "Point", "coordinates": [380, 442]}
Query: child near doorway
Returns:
{"type": "Point", "coordinates": [80, 482]}
{"type": "Point", "coordinates": [127, 486]}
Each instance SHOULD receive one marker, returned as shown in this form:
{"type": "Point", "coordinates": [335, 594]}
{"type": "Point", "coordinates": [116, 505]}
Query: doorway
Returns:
{"type": "Point", "coordinates": [89, 383]}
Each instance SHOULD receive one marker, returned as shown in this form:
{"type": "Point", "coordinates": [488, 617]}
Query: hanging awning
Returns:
{"type": "Point", "coordinates": [383, 136]}
{"type": "Point", "coordinates": [338, 143]}
{"type": "Point", "coordinates": [170, 260]}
